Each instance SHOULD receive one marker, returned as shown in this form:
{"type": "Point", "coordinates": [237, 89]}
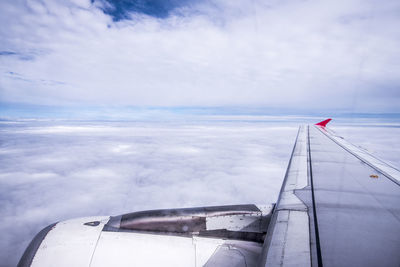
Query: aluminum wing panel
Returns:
{"type": "Point", "coordinates": [357, 207]}
{"type": "Point", "coordinates": [338, 206]}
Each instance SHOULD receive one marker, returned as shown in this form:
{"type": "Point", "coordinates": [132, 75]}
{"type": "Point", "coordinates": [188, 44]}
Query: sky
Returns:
{"type": "Point", "coordinates": [109, 107]}
{"type": "Point", "coordinates": [292, 54]}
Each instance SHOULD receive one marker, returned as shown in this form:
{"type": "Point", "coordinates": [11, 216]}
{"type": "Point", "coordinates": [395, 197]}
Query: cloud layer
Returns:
{"type": "Point", "coordinates": [308, 54]}
{"type": "Point", "coordinates": [53, 171]}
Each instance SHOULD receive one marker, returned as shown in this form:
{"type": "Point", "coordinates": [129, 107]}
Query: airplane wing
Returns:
{"type": "Point", "coordinates": [338, 206]}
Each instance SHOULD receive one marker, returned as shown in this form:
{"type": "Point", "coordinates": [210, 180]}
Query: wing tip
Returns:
{"type": "Point", "coordinates": [324, 122]}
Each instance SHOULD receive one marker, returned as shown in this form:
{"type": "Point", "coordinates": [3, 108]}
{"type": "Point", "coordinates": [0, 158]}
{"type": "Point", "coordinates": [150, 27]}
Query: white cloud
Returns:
{"type": "Point", "coordinates": [288, 54]}
{"type": "Point", "coordinates": [56, 171]}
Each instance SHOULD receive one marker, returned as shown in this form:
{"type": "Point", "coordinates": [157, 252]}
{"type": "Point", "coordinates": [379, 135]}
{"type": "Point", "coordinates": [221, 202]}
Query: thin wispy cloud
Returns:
{"type": "Point", "coordinates": [310, 54]}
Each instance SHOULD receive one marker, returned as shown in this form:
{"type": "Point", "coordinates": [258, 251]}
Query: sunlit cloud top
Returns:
{"type": "Point", "coordinates": [282, 54]}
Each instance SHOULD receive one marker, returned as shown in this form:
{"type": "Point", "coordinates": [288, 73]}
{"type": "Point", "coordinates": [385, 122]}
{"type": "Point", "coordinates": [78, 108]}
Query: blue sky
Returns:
{"type": "Point", "coordinates": [128, 9]}
{"type": "Point", "coordinates": [312, 56]}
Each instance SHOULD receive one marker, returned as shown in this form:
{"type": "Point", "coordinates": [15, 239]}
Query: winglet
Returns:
{"type": "Point", "coordinates": [323, 123]}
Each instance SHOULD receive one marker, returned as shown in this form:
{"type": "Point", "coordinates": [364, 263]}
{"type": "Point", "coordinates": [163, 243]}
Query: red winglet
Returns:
{"type": "Point", "coordinates": [323, 123]}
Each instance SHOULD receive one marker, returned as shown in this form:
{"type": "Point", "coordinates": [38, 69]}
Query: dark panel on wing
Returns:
{"type": "Point", "coordinates": [240, 222]}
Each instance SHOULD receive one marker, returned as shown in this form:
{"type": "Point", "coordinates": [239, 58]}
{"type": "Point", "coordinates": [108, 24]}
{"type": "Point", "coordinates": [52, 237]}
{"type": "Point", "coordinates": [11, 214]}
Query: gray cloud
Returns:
{"type": "Point", "coordinates": [7, 53]}
{"type": "Point", "coordinates": [20, 56]}
{"type": "Point", "coordinates": [274, 53]}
